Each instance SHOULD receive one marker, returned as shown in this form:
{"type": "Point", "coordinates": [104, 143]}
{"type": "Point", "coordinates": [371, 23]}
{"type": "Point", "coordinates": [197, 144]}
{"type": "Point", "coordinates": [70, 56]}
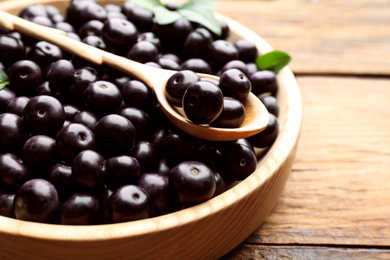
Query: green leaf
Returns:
{"type": "Point", "coordinates": [198, 5]}
{"type": "Point", "coordinates": [204, 17]}
{"type": "Point", "coordinates": [165, 16]}
{"type": "Point", "coordinates": [3, 79]}
{"type": "Point", "coordinates": [147, 4]}
{"type": "Point", "coordinates": [273, 60]}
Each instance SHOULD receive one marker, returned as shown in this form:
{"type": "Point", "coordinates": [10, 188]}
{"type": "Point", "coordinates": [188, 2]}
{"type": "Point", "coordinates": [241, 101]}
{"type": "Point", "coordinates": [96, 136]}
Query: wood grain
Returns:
{"type": "Point", "coordinates": [247, 252]}
{"type": "Point", "coordinates": [338, 192]}
{"type": "Point", "coordinates": [327, 37]}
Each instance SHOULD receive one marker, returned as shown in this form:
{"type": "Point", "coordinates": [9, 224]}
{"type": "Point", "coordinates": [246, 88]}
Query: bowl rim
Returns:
{"type": "Point", "coordinates": [267, 166]}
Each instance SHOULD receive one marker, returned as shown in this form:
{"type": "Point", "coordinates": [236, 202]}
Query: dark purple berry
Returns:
{"type": "Point", "coordinates": [79, 209]}
{"type": "Point", "coordinates": [268, 136]}
{"type": "Point", "coordinates": [202, 102]}
{"type": "Point", "coordinates": [102, 97]}
{"type": "Point", "coordinates": [122, 170]}
{"type": "Point", "coordinates": [193, 181]}
{"type": "Point", "coordinates": [24, 77]}
{"type": "Point", "coordinates": [263, 81]}
{"type": "Point", "coordinates": [115, 134]}
{"type": "Point", "coordinates": [13, 171]}
{"type": "Point", "coordinates": [12, 133]}
{"type": "Point", "coordinates": [234, 83]}
{"type": "Point", "coordinates": [39, 152]}
{"type": "Point", "coordinates": [177, 84]}
{"type": "Point", "coordinates": [44, 115]}
{"type": "Point", "coordinates": [74, 138]}
{"type": "Point", "coordinates": [129, 203]}
{"type": "Point", "coordinates": [36, 200]}
{"type": "Point", "coordinates": [232, 116]}
{"type": "Point", "coordinates": [89, 170]}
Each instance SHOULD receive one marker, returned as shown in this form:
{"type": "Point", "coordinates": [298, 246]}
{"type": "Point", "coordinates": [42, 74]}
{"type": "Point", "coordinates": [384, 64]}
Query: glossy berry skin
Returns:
{"type": "Point", "coordinates": [13, 171]}
{"type": "Point", "coordinates": [193, 181]}
{"type": "Point", "coordinates": [12, 49]}
{"type": "Point", "coordinates": [74, 138]}
{"type": "Point", "coordinates": [119, 33]}
{"type": "Point", "coordinates": [95, 41]}
{"type": "Point", "coordinates": [202, 102]}
{"type": "Point", "coordinates": [247, 50]}
{"type": "Point", "coordinates": [24, 77]}
{"type": "Point", "coordinates": [44, 53]}
{"type": "Point", "coordinates": [197, 65]}
{"type": "Point", "coordinates": [142, 18]}
{"type": "Point", "coordinates": [136, 94]}
{"type": "Point", "coordinates": [168, 64]}
{"type": "Point", "coordinates": [70, 111]}
{"type": "Point", "coordinates": [209, 154]}
{"type": "Point", "coordinates": [60, 175]}
{"type": "Point", "coordinates": [232, 116]}
{"type": "Point", "coordinates": [220, 184]}
{"type": "Point", "coordinates": [86, 118]}
{"type": "Point", "coordinates": [271, 103]}
{"type": "Point", "coordinates": [236, 64]}
{"type": "Point", "coordinates": [139, 119]}
{"type": "Point", "coordinates": [79, 209]}
{"type": "Point", "coordinates": [80, 12]}
{"type": "Point", "coordinates": [268, 136]}
{"type": "Point", "coordinates": [12, 133]}
{"type": "Point", "coordinates": [234, 83]}
{"type": "Point", "coordinates": [36, 200]}
{"type": "Point", "coordinates": [173, 35]}
{"type": "Point", "coordinates": [89, 170]}
{"type": "Point", "coordinates": [145, 153]}
{"type": "Point", "coordinates": [160, 191]}
{"type": "Point", "coordinates": [122, 170]}
{"type": "Point", "coordinates": [177, 84]}
{"type": "Point", "coordinates": [17, 105]}
{"type": "Point", "coordinates": [239, 161]}
{"type": "Point", "coordinates": [197, 44]}
{"type": "Point", "coordinates": [82, 77]}
{"type": "Point", "coordinates": [115, 134]}
{"type": "Point", "coordinates": [60, 72]}
{"type": "Point", "coordinates": [223, 51]}
{"type": "Point", "coordinates": [44, 115]}
{"type": "Point", "coordinates": [102, 97]}
{"type": "Point", "coordinates": [143, 52]}
{"type": "Point", "coordinates": [150, 37]}
{"type": "Point", "coordinates": [39, 152]}
{"type": "Point", "coordinates": [7, 205]}
{"type": "Point", "coordinates": [263, 82]}
{"type": "Point", "coordinates": [6, 95]}
{"type": "Point", "coordinates": [128, 203]}
{"type": "Point", "coordinates": [92, 27]}
{"type": "Point", "coordinates": [172, 144]}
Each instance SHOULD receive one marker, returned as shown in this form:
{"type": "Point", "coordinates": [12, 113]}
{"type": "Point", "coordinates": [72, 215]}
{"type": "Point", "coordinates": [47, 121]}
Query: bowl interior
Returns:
{"type": "Point", "coordinates": [239, 210]}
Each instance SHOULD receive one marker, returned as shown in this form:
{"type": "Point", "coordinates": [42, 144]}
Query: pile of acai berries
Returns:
{"type": "Point", "coordinates": [84, 144]}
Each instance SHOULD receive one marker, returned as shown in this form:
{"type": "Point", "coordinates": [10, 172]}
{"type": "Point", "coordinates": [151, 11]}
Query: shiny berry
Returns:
{"type": "Point", "coordinates": [79, 209]}
{"type": "Point", "coordinates": [129, 203]}
{"type": "Point", "coordinates": [74, 138]}
{"type": "Point", "coordinates": [202, 102]}
{"type": "Point", "coordinates": [193, 181]}
{"type": "Point", "coordinates": [36, 200]}
{"type": "Point", "coordinates": [89, 170]}
{"type": "Point", "coordinates": [44, 115]}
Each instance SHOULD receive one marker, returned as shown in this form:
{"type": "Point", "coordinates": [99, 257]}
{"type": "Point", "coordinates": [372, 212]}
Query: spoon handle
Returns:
{"type": "Point", "coordinates": [152, 77]}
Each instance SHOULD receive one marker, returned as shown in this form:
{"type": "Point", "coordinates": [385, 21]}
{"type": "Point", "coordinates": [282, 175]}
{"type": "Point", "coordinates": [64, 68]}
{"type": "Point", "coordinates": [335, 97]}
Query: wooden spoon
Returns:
{"type": "Point", "coordinates": [256, 119]}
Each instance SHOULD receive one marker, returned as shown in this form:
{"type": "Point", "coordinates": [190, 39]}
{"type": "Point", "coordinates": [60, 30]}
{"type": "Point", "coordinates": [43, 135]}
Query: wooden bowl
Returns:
{"type": "Point", "coordinates": [205, 231]}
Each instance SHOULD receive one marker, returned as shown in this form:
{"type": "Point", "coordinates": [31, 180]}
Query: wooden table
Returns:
{"type": "Point", "coordinates": [336, 204]}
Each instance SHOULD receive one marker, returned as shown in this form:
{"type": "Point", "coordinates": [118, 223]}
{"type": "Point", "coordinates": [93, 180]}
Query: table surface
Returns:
{"type": "Point", "coordinates": [336, 202]}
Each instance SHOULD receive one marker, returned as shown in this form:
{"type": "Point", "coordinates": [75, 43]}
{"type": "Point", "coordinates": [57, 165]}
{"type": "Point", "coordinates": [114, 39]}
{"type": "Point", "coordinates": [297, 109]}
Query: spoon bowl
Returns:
{"type": "Point", "coordinates": [256, 118]}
